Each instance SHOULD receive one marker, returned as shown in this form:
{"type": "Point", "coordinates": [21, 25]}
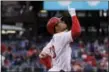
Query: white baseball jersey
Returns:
{"type": "Point", "coordinates": [60, 51]}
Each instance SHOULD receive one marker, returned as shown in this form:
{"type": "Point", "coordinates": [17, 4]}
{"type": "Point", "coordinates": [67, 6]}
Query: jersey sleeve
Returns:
{"type": "Point", "coordinates": [46, 49]}
{"type": "Point", "coordinates": [68, 37]}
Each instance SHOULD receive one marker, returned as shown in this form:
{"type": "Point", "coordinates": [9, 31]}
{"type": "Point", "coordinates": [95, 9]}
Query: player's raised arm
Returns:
{"type": "Point", "coordinates": [75, 29]}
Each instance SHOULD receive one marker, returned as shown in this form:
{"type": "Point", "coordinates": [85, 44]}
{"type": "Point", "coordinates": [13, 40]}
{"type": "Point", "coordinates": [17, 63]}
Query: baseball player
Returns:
{"type": "Point", "coordinates": [56, 55]}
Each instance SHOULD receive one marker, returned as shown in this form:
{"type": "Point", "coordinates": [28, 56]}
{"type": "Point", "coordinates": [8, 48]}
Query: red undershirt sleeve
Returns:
{"type": "Point", "coordinates": [76, 28]}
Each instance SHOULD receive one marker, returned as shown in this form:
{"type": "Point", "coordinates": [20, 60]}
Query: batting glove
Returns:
{"type": "Point", "coordinates": [71, 11]}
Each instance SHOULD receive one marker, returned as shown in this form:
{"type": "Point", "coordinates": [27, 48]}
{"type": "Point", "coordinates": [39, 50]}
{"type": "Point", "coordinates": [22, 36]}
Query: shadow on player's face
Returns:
{"type": "Point", "coordinates": [61, 26]}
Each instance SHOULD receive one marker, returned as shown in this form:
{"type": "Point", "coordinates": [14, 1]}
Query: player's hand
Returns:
{"type": "Point", "coordinates": [71, 11]}
{"type": "Point", "coordinates": [46, 60]}
{"type": "Point", "coordinates": [42, 55]}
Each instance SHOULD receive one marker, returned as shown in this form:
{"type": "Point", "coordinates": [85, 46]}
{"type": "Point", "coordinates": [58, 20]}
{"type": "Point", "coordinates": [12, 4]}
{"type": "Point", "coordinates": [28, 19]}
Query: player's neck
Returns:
{"type": "Point", "coordinates": [62, 31]}
{"type": "Point", "coordinates": [66, 30]}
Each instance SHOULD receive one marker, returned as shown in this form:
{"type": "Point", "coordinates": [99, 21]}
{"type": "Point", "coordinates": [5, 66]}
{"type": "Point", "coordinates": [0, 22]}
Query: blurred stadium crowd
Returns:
{"type": "Point", "coordinates": [21, 54]}
{"type": "Point", "coordinates": [24, 35]}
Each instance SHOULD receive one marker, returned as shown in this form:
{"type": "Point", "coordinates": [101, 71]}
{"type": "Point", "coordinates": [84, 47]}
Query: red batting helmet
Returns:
{"type": "Point", "coordinates": [51, 24]}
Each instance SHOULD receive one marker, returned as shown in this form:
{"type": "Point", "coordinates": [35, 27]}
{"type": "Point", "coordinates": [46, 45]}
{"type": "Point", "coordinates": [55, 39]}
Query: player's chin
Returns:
{"type": "Point", "coordinates": [64, 29]}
